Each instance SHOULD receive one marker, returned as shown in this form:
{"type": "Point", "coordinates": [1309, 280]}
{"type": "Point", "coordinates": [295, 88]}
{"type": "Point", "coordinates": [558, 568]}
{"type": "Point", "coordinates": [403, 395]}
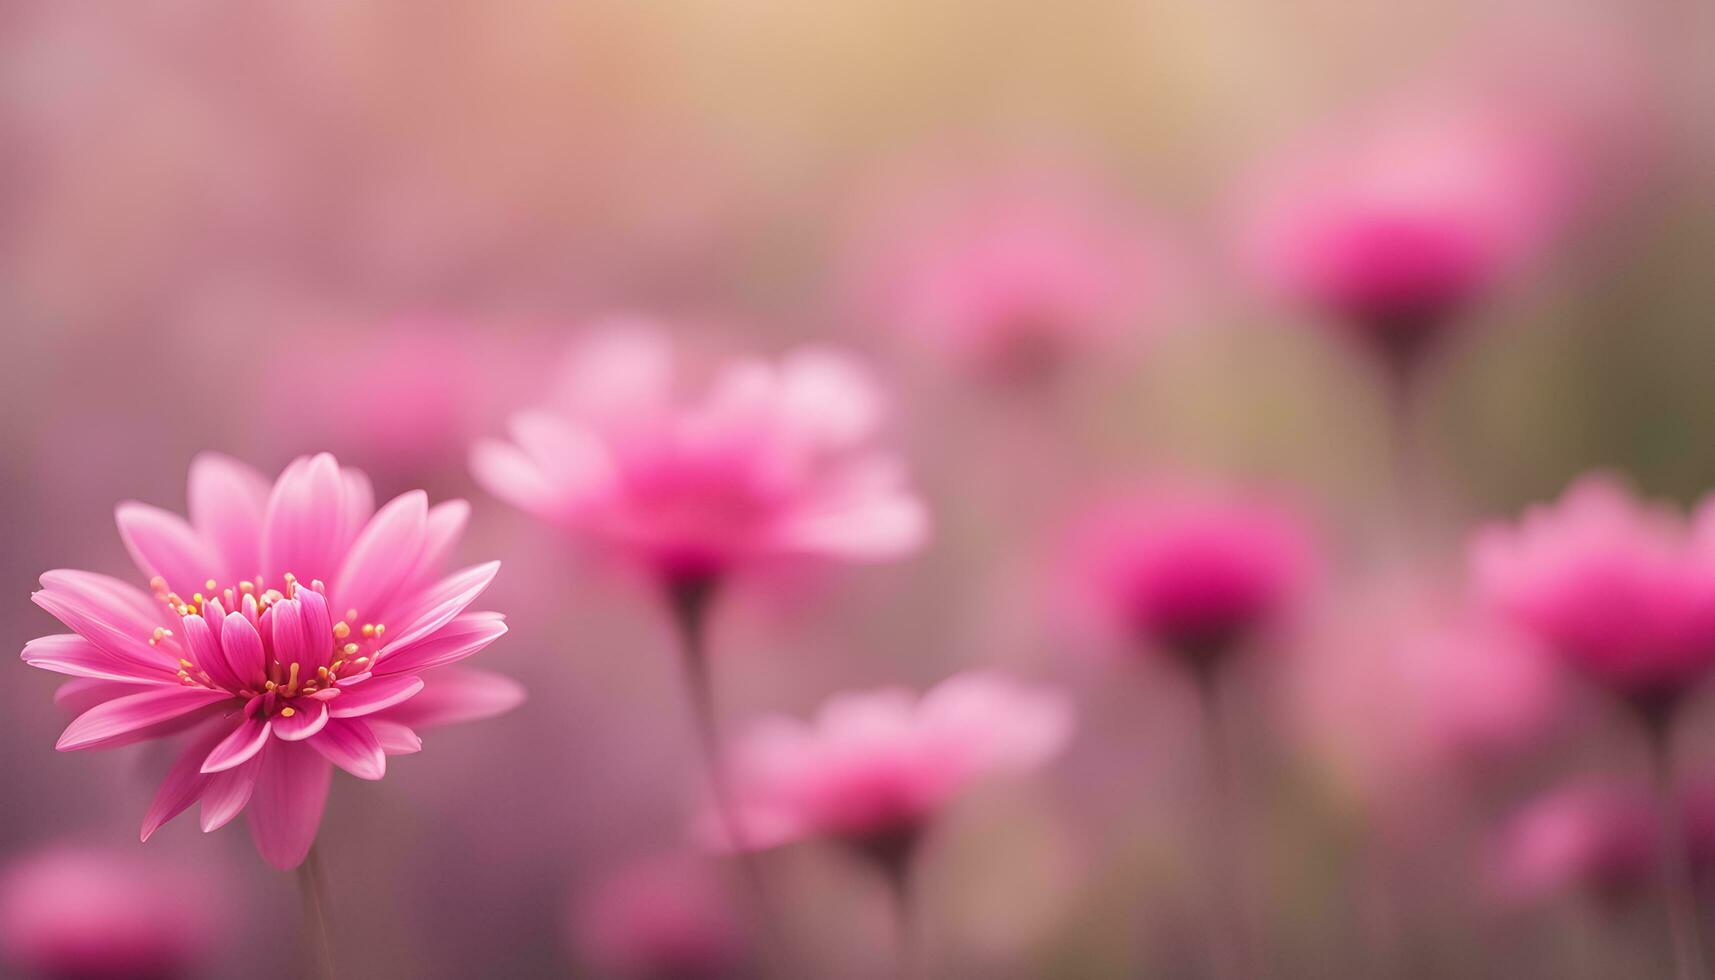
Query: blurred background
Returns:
{"type": "Point", "coordinates": [373, 228]}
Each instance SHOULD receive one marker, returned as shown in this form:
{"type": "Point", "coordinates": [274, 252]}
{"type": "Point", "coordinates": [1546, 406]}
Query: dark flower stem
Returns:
{"type": "Point", "coordinates": [1227, 938]}
{"type": "Point", "coordinates": [690, 600]}
{"type": "Point", "coordinates": [1679, 898]}
{"type": "Point", "coordinates": [894, 854]}
{"type": "Point", "coordinates": [312, 888]}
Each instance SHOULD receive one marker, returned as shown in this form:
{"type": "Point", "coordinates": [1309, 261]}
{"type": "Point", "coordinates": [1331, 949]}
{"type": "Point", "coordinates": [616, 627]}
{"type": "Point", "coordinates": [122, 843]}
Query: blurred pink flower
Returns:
{"type": "Point", "coordinates": [1011, 274]}
{"type": "Point", "coordinates": [1192, 571]}
{"type": "Point", "coordinates": [669, 918]}
{"type": "Point", "coordinates": [1599, 839]}
{"type": "Point", "coordinates": [873, 768]}
{"type": "Point", "coordinates": [774, 461]}
{"type": "Point", "coordinates": [1622, 589]}
{"type": "Point", "coordinates": [79, 912]}
{"type": "Point", "coordinates": [1487, 693]}
{"type": "Point", "coordinates": [243, 644]}
{"type": "Point", "coordinates": [1396, 228]}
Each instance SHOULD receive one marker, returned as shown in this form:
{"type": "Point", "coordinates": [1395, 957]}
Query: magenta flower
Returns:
{"type": "Point", "coordinates": [1396, 229]}
{"type": "Point", "coordinates": [774, 461]}
{"type": "Point", "coordinates": [1013, 275]}
{"type": "Point", "coordinates": [1194, 572]}
{"type": "Point", "coordinates": [1622, 589]}
{"type": "Point", "coordinates": [288, 631]}
{"type": "Point", "coordinates": [664, 917]}
{"type": "Point", "coordinates": [874, 768]}
{"type": "Point", "coordinates": [76, 912]}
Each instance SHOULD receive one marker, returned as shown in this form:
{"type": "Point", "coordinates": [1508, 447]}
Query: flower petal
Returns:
{"type": "Point", "coordinates": [161, 543]}
{"type": "Point", "coordinates": [395, 739]}
{"type": "Point", "coordinates": [302, 525]}
{"type": "Point", "coordinates": [351, 746]}
{"type": "Point", "coordinates": [459, 694]}
{"type": "Point", "coordinates": [240, 747]}
{"type": "Point", "coordinates": [68, 653]}
{"type": "Point", "coordinates": [308, 717]}
{"type": "Point", "coordinates": [383, 556]}
{"type": "Point", "coordinates": [510, 474]}
{"type": "Point", "coordinates": [109, 614]}
{"type": "Point", "coordinates": [374, 694]}
{"type": "Point", "coordinates": [465, 635]}
{"type": "Point", "coordinates": [226, 792]}
{"type": "Point", "coordinates": [437, 607]}
{"type": "Point", "coordinates": [184, 782]}
{"type": "Point", "coordinates": [204, 649]}
{"type": "Point", "coordinates": [242, 646]}
{"type": "Point", "coordinates": [111, 721]}
{"type": "Point", "coordinates": [226, 502]}
{"type": "Point", "coordinates": [286, 805]}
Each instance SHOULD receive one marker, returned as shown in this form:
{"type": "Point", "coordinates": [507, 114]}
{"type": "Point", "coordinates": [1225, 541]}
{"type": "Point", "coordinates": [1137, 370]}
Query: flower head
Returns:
{"type": "Point", "coordinates": [88, 913]}
{"type": "Point", "coordinates": [1395, 229]}
{"type": "Point", "coordinates": [773, 461]}
{"type": "Point", "coordinates": [1010, 276]}
{"type": "Point", "coordinates": [1194, 572]}
{"type": "Point", "coordinates": [288, 629]}
{"type": "Point", "coordinates": [1622, 589]}
{"type": "Point", "coordinates": [873, 768]}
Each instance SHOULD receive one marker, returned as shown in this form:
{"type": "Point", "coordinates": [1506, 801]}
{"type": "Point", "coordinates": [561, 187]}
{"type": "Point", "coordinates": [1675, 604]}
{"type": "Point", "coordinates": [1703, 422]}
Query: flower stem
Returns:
{"type": "Point", "coordinates": [1679, 899]}
{"type": "Point", "coordinates": [690, 600]}
{"type": "Point", "coordinates": [312, 888]}
{"type": "Point", "coordinates": [1227, 948]}
{"type": "Point", "coordinates": [904, 919]}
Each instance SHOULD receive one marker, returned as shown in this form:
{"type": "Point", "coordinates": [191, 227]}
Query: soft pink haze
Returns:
{"type": "Point", "coordinates": [668, 916]}
{"type": "Point", "coordinates": [877, 766]}
{"type": "Point", "coordinates": [1621, 588]}
{"type": "Point", "coordinates": [770, 461]}
{"type": "Point", "coordinates": [286, 629]}
{"type": "Point", "coordinates": [95, 914]}
{"type": "Point", "coordinates": [1598, 839]}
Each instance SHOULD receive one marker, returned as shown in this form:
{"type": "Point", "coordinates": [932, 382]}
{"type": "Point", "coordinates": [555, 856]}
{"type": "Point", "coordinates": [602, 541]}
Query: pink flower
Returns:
{"type": "Point", "coordinates": [98, 915]}
{"type": "Point", "coordinates": [1010, 276]}
{"type": "Point", "coordinates": [288, 631]}
{"type": "Point", "coordinates": [669, 917]}
{"type": "Point", "coordinates": [1397, 227]}
{"type": "Point", "coordinates": [774, 461]}
{"type": "Point", "coordinates": [873, 768]}
{"type": "Point", "coordinates": [1600, 839]}
{"type": "Point", "coordinates": [1195, 572]}
{"type": "Point", "coordinates": [1622, 589]}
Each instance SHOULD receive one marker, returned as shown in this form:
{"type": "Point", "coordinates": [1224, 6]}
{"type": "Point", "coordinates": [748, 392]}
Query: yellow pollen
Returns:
{"type": "Point", "coordinates": [246, 587]}
{"type": "Point", "coordinates": [269, 686]}
{"type": "Point", "coordinates": [380, 628]}
{"type": "Point", "coordinates": [211, 585]}
{"type": "Point", "coordinates": [287, 712]}
{"type": "Point", "coordinates": [340, 630]}
{"type": "Point", "coordinates": [322, 672]}
{"type": "Point", "coordinates": [186, 664]}
{"type": "Point", "coordinates": [350, 614]}
{"type": "Point", "coordinates": [350, 649]}
{"type": "Point", "coordinates": [368, 630]}
{"type": "Point", "coordinates": [292, 680]}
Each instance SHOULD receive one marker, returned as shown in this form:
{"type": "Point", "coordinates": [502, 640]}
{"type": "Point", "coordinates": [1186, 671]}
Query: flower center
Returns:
{"type": "Point", "coordinates": [313, 668]}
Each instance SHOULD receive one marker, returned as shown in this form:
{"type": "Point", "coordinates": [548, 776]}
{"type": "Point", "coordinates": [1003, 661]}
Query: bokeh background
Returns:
{"type": "Point", "coordinates": [372, 228]}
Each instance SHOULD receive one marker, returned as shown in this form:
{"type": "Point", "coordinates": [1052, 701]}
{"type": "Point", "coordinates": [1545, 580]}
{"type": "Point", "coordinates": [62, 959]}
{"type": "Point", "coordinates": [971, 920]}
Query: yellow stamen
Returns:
{"type": "Point", "coordinates": [287, 712]}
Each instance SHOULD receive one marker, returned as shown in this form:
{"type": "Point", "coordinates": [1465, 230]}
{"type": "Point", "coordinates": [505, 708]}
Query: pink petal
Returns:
{"type": "Point", "coordinates": [465, 635]}
{"type": "Point", "coordinates": [373, 695]}
{"type": "Point", "coordinates": [441, 533]}
{"type": "Point", "coordinates": [507, 472]}
{"type": "Point", "coordinates": [184, 782]}
{"type": "Point", "coordinates": [569, 457]}
{"type": "Point", "coordinates": [226, 792]}
{"type": "Point", "coordinates": [242, 646]}
{"type": "Point", "coordinates": [828, 398]}
{"type": "Point", "coordinates": [302, 525]}
{"type": "Point", "coordinates": [383, 556]}
{"type": "Point", "coordinates": [240, 747]}
{"type": "Point", "coordinates": [104, 612]}
{"type": "Point", "coordinates": [317, 624]}
{"type": "Point", "coordinates": [437, 607]}
{"type": "Point", "coordinates": [161, 543]}
{"type": "Point", "coordinates": [351, 746]}
{"type": "Point", "coordinates": [357, 508]}
{"type": "Point", "coordinates": [227, 500]}
{"type": "Point", "coordinates": [76, 697]}
{"type": "Point", "coordinates": [67, 653]}
{"type": "Point", "coordinates": [459, 694]}
{"type": "Point", "coordinates": [106, 723]}
{"type": "Point", "coordinates": [286, 806]}
{"type": "Point", "coordinates": [205, 651]}
{"type": "Point", "coordinates": [308, 717]}
{"type": "Point", "coordinates": [395, 739]}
